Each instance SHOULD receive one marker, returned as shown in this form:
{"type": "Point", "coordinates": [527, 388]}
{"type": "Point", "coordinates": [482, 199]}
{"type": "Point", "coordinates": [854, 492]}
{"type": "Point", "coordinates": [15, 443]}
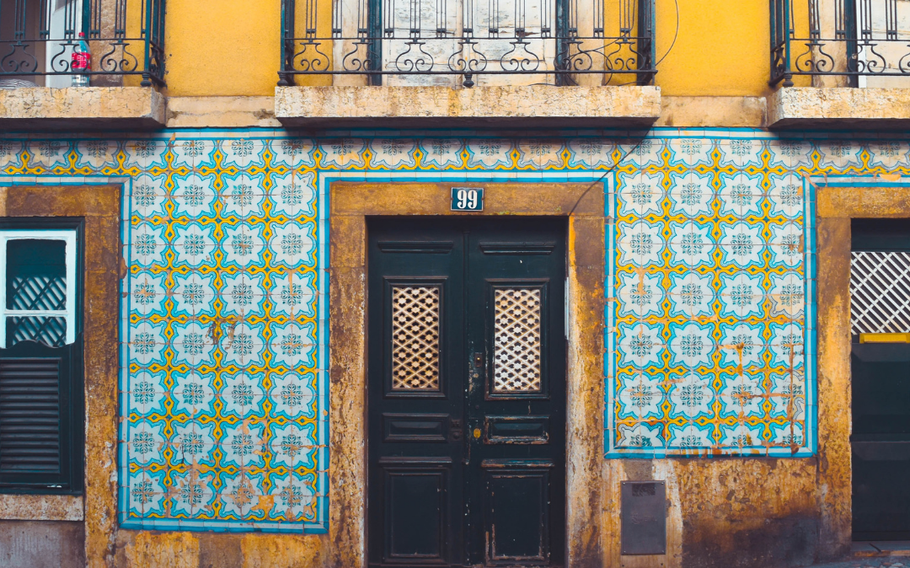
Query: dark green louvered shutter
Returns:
{"type": "Point", "coordinates": [40, 419]}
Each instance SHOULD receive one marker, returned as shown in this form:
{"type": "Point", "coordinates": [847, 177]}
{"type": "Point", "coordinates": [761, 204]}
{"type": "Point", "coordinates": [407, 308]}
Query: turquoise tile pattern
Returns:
{"type": "Point", "coordinates": [710, 283]}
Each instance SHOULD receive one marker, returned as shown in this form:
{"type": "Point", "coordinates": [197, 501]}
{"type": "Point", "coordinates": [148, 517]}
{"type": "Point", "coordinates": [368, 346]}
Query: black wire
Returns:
{"type": "Point", "coordinates": [606, 173]}
{"type": "Point", "coordinates": [675, 35]}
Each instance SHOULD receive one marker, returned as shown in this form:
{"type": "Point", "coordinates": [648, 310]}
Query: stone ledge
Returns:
{"type": "Point", "coordinates": [839, 107]}
{"type": "Point", "coordinates": [41, 508]}
{"type": "Point", "coordinates": [42, 108]}
{"type": "Point", "coordinates": [518, 106]}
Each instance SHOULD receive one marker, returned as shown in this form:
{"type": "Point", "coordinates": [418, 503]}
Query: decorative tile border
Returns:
{"type": "Point", "coordinates": [710, 290]}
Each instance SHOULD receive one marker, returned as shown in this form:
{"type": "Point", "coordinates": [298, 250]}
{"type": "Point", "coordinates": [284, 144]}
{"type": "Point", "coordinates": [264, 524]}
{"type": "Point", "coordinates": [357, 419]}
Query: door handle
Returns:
{"type": "Point", "coordinates": [456, 430]}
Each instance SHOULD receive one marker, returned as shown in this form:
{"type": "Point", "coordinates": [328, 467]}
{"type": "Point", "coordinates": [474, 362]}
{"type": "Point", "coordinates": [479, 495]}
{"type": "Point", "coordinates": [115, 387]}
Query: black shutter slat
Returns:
{"type": "Point", "coordinates": [30, 415]}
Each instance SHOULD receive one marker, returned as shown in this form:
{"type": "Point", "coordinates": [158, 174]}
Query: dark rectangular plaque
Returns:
{"type": "Point", "coordinates": [644, 517]}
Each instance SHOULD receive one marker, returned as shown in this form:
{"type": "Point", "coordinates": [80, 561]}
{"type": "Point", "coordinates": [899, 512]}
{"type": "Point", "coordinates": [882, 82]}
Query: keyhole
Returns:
{"type": "Point", "coordinates": [477, 433]}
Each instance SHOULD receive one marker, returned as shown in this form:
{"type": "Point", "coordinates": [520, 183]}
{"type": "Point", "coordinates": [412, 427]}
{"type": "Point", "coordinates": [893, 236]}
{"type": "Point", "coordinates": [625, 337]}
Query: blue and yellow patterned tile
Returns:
{"type": "Point", "coordinates": [147, 343]}
{"type": "Point", "coordinates": [241, 153]}
{"type": "Point", "coordinates": [242, 196]}
{"type": "Point", "coordinates": [488, 153]}
{"type": "Point", "coordinates": [691, 194]}
{"type": "Point", "coordinates": [243, 344]}
{"type": "Point", "coordinates": [441, 153]}
{"type": "Point", "coordinates": [193, 393]}
{"type": "Point", "coordinates": [640, 294]}
{"type": "Point", "coordinates": [146, 494]}
{"type": "Point", "coordinates": [292, 244]}
{"type": "Point", "coordinates": [242, 395]}
{"type": "Point", "coordinates": [293, 446]}
{"type": "Point", "coordinates": [11, 155]}
{"type": "Point", "coordinates": [147, 392]}
{"type": "Point", "coordinates": [639, 195]}
{"type": "Point", "coordinates": [690, 244]}
{"type": "Point", "coordinates": [294, 497]}
{"type": "Point", "coordinates": [190, 494]}
{"type": "Point", "coordinates": [840, 154]}
{"type": "Point", "coordinates": [343, 153]}
{"type": "Point", "coordinates": [291, 153]}
{"type": "Point", "coordinates": [242, 294]}
{"type": "Point", "coordinates": [690, 295]}
{"type": "Point", "coordinates": [740, 195]}
{"type": "Point", "coordinates": [293, 344]}
{"type": "Point", "coordinates": [591, 153]}
{"type": "Point", "coordinates": [293, 194]}
{"type": "Point", "coordinates": [239, 494]}
{"type": "Point", "coordinates": [192, 153]}
{"type": "Point", "coordinates": [50, 154]}
{"type": "Point", "coordinates": [97, 155]}
{"type": "Point", "coordinates": [145, 154]}
{"type": "Point", "coordinates": [690, 344]}
{"type": "Point", "coordinates": [640, 344]}
{"type": "Point", "coordinates": [293, 395]}
{"type": "Point", "coordinates": [393, 153]}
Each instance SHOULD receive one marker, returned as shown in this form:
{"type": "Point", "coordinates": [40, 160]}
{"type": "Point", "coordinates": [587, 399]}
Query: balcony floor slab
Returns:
{"type": "Point", "coordinates": [532, 106]}
{"type": "Point", "coordinates": [839, 108]}
{"type": "Point", "coordinates": [86, 108]}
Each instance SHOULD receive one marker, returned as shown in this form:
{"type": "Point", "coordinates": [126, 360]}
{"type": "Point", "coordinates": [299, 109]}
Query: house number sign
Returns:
{"type": "Point", "coordinates": [467, 199]}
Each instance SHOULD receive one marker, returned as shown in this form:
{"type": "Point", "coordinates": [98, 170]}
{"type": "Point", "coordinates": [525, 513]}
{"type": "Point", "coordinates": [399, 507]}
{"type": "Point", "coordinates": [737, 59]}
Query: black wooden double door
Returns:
{"type": "Point", "coordinates": [467, 363]}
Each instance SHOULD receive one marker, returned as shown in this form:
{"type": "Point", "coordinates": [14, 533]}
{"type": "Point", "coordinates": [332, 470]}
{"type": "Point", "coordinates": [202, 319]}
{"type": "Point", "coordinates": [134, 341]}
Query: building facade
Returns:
{"type": "Point", "coordinates": [443, 284]}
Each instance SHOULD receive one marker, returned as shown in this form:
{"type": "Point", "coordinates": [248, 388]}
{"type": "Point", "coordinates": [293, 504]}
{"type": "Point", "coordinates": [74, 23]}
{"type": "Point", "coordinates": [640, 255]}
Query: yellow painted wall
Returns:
{"type": "Point", "coordinates": [231, 47]}
{"type": "Point", "coordinates": [222, 47]}
{"type": "Point", "coordinates": [722, 48]}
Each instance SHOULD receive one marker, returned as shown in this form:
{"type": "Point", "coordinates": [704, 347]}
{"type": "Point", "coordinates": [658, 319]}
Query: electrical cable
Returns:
{"type": "Point", "coordinates": [675, 35]}
{"type": "Point", "coordinates": [606, 173]}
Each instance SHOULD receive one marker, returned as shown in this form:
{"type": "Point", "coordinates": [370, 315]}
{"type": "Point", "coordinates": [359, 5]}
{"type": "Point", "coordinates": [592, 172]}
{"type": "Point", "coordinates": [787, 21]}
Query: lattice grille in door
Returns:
{"type": "Point", "coordinates": [879, 292]}
{"type": "Point", "coordinates": [415, 337]}
{"type": "Point", "coordinates": [516, 340]}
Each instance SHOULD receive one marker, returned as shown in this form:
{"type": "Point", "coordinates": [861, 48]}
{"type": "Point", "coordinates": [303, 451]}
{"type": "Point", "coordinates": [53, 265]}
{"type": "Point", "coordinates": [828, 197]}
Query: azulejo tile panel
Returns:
{"type": "Point", "coordinates": [711, 297]}
{"type": "Point", "coordinates": [224, 393]}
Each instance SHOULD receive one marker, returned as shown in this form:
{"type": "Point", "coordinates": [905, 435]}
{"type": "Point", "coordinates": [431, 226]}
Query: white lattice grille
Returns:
{"type": "Point", "coordinates": [880, 292]}
{"type": "Point", "coordinates": [516, 340]}
{"type": "Point", "coordinates": [415, 338]}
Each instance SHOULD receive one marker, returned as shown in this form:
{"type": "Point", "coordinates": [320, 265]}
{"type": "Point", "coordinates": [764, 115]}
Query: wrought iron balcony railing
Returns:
{"type": "Point", "coordinates": [439, 42]}
{"type": "Point", "coordinates": [858, 39]}
{"type": "Point", "coordinates": [125, 37]}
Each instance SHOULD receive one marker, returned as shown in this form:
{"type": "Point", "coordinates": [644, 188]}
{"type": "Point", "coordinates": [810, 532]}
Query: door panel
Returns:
{"type": "Point", "coordinates": [517, 512]}
{"type": "Point", "coordinates": [880, 381]}
{"type": "Point", "coordinates": [416, 494]}
{"type": "Point", "coordinates": [467, 392]}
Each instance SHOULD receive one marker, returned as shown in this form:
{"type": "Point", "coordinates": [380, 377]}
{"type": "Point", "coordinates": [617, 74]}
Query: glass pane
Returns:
{"type": "Point", "coordinates": [516, 340]}
{"type": "Point", "coordinates": [36, 275]}
{"type": "Point", "coordinates": [50, 331]}
{"type": "Point", "coordinates": [415, 338]}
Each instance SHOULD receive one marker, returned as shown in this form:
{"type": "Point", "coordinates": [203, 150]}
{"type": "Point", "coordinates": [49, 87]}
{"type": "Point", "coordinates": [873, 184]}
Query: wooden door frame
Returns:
{"type": "Point", "coordinates": [351, 203]}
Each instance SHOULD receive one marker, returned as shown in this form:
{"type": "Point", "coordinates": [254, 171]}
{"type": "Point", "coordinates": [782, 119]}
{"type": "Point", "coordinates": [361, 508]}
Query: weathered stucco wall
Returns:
{"type": "Point", "coordinates": [724, 511]}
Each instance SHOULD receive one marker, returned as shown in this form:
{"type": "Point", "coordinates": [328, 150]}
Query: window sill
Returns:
{"type": "Point", "coordinates": [43, 108]}
{"type": "Point", "coordinates": [839, 107]}
{"type": "Point", "coordinates": [422, 107]}
{"type": "Point", "coordinates": [41, 507]}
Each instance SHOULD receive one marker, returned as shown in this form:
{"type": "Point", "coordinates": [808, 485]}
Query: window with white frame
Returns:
{"type": "Point", "coordinates": [41, 369]}
{"type": "Point", "coordinates": [38, 291]}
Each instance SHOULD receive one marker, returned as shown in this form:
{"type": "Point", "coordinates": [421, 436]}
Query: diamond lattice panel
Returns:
{"type": "Point", "coordinates": [415, 338]}
{"type": "Point", "coordinates": [880, 292]}
{"type": "Point", "coordinates": [516, 341]}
